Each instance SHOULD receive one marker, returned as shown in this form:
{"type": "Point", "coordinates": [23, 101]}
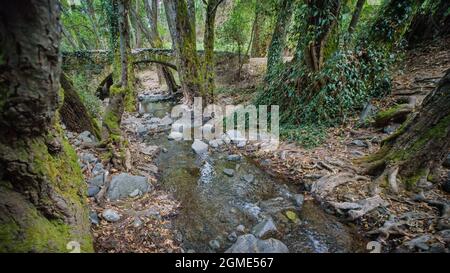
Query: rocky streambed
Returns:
{"type": "Point", "coordinates": [227, 203]}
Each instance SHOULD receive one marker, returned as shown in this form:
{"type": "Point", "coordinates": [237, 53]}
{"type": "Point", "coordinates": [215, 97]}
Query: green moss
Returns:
{"type": "Point", "coordinates": [391, 113]}
{"type": "Point", "coordinates": [62, 174]}
{"type": "Point", "coordinates": [437, 131]}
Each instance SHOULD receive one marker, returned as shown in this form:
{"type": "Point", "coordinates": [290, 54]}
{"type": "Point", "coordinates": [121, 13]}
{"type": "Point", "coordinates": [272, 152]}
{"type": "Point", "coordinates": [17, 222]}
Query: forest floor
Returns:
{"type": "Point", "coordinates": [328, 173]}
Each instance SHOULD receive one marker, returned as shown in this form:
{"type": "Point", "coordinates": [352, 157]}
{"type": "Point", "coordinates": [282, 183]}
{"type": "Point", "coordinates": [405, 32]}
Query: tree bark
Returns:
{"type": "Point", "coordinates": [257, 50]}
{"type": "Point", "coordinates": [275, 53]}
{"type": "Point", "coordinates": [123, 8]}
{"type": "Point", "coordinates": [183, 37]}
{"type": "Point", "coordinates": [73, 112]}
{"type": "Point", "coordinates": [421, 144]}
{"type": "Point", "coordinates": [208, 44]}
{"type": "Point", "coordinates": [42, 200]}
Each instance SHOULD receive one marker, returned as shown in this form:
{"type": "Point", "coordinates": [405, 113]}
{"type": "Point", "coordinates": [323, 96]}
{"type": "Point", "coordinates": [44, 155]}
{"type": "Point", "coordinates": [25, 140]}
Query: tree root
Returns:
{"type": "Point", "coordinates": [358, 209]}
{"type": "Point", "coordinates": [393, 226]}
{"type": "Point", "coordinates": [325, 185]}
{"type": "Point", "coordinates": [444, 211]}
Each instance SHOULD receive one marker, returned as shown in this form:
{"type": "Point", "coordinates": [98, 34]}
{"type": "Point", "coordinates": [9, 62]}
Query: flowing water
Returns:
{"type": "Point", "coordinates": [214, 204]}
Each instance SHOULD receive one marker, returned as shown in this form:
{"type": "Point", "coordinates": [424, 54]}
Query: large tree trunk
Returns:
{"type": "Point", "coordinates": [42, 203]}
{"type": "Point", "coordinates": [122, 94]}
{"type": "Point", "coordinates": [208, 43]}
{"type": "Point", "coordinates": [276, 48]}
{"type": "Point", "coordinates": [184, 41]}
{"type": "Point", "coordinates": [73, 112]}
{"type": "Point", "coordinates": [420, 145]}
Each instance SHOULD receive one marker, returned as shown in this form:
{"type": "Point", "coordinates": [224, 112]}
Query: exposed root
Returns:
{"type": "Point", "coordinates": [358, 209]}
{"type": "Point", "coordinates": [392, 178]}
{"type": "Point", "coordinates": [325, 185]}
{"type": "Point", "coordinates": [393, 226]}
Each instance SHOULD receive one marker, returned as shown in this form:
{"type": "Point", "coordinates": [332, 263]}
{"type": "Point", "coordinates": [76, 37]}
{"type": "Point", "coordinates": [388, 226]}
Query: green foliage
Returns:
{"type": "Point", "coordinates": [235, 33]}
{"type": "Point", "coordinates": [87, 96]}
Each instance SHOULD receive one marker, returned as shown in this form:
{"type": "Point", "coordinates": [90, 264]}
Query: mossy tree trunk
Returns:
{"type": "Point", "coordinates": [420, 145]}
{"type": "Point", "coordinates": [73, 112]}
{"type": "Point", "coordinates": [208, 44]}
{"type": "Point", "coordinates": [42, 191]}
{"type": "Point", "coordinates": [122, 96]}
{"type": "Point", "coordinates": [184, 42]}
{"type": "Point", "coordinates": [276, 48]}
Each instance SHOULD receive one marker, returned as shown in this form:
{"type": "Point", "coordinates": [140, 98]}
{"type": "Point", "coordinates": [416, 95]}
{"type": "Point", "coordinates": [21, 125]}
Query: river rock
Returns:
{"type": "Point", "coordinates": [298, 200]}
{"type": "Point", "coordinates": [233, 157]}
{"type": "Point", "coordinates": [228, 172]}
{"type": "Point", "coordinates": [166, 121]}
{"type": "Point", "coordinates": [111, 215]}
{"type": "Point", "coordinates": [214, 244]}
{"type": "Point", "coordinates": [87, 137]}
{"type": "Point", "coordinates": [232, 237]}
{"type": "Point", "coordinates": [199, 147]}
{"type": "Point", "coordinates": [177, 136]}
{"type": "Point", "coordinates": [235, 136]}
{"type": "Point", "coordinates": [359, 143]}
{"type": "Point", "coordinates": [150, 150]}
{"type": "Point", "coordinates": [215, 143]}
{"type": "Point", "coordinates": [135, 193]}
{"type": "Point", "coordinates": [93, 218]}
{"type": "Point", "coordinates": [98, 180]}
{"type": "Point", "coordinates": [226, 139]}
{"type": "Point", "coordinates": [155, 120]}
{"type": "Point", "coordinates": [88, 158]}
{"type": "Point", "coordinates": [248, 178]}
{"type": "Point", "coordinates": [92, 191]}
{"type": "Point", "coordinates": [241, 144]}
{"type": "Point", "coordinates": [142, 130]}
{"type": "Point", "coordinates": [122, 185]}
{"type": "Point", "coordinates": [98, 169]}
{"type": "Point", "coordinates": [265, 228]}
{"type": "Point", "coordinates": [248, 243]}
{"type": "Point", "coordinates": [251, 210]}
{"type": "Point", "coordinates": [240, 228]}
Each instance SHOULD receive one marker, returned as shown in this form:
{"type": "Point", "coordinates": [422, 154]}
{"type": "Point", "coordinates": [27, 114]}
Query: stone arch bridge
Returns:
{"type": "Point", "coordinates": [96, 65]}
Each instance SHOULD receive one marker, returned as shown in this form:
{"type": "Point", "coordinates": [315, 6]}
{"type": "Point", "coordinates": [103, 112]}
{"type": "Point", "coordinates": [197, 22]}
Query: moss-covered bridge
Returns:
{"type": "Point", "coordinates": [97, 64]}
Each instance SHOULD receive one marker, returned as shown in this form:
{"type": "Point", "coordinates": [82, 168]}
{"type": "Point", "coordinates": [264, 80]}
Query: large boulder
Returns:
{"type": "Point", "coordinates": [122, 185]}
{"type": "Point", "coordinates": [199, 147]}
{"type": "Point", "coordinates": [248, 243]}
